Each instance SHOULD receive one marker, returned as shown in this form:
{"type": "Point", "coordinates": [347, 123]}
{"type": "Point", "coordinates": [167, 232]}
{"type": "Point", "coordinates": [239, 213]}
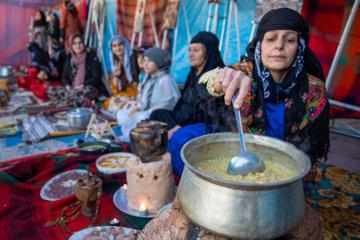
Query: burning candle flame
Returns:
{"type": "Point", "coordinates": [142, 207]}
{"type": "Point", "coordinates": [124, 187]}
{"type": "Point", "coordinates": [115, 220]}
{"type": "Point", "coordinates": [99, 228]}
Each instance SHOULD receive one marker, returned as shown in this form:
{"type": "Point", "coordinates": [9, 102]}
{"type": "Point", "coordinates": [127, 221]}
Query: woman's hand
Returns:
{"type": "Point", "coordinates": [228, 81]}
{"type": "Point", "coordinates": [136, 110]}
{"type": "Point", "coordinates": [171, 131]}
{"type": "Point", "coordinates": [68, 87]}
{"type": "Point", "coordinates": [117, 69]}
{"type": "Point", "coordinates": [80, 86]}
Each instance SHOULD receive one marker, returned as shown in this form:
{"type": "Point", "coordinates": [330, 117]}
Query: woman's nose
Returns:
{"type": "Point", "coordinates": [280, 43]}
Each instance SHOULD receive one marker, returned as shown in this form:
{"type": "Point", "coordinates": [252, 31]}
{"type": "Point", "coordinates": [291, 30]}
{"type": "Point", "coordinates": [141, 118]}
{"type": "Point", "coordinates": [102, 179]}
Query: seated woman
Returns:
{"type": "Point", "coordinates": [204, 55]}
{"type": "Point", "coordinates": [159, 90]}
{"type": "Point", "coordinates": [81, 76]}
{"type": "Point", "coordinates": [281, 85]}
{"type": "Point", "coordinates": [121, 81]}
{"type": "Point", "coordinates": [136, 63]}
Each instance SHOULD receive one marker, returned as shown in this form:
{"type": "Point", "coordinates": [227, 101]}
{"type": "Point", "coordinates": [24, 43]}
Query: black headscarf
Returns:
{"type": "Point", "coordinates": [211, 111]}
{"type": "Point", "coordinates": [42, 21]}
{"type": "Point", "coordinates": [313, 137]}
{"type": "Point", "coordinates": [287, 19]}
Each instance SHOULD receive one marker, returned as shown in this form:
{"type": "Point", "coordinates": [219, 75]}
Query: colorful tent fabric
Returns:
{"type": "Point", "coordinates": [125, 11]}
{"type": "Point", "coordinates": [327, 20]}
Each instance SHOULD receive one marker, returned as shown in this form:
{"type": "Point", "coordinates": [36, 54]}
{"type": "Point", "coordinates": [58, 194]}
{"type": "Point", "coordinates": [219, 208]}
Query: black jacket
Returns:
{"type": "Point", "coordinates": [92, 73]}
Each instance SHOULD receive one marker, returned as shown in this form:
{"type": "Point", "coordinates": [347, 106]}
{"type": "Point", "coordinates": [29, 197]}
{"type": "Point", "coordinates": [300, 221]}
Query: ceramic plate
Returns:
{"type": "Point", "coordinates": [42, 192]}
{"type": "Point", "coordinates": [115, 155]}
{"type": "Point", "coordinates": [79, 235]}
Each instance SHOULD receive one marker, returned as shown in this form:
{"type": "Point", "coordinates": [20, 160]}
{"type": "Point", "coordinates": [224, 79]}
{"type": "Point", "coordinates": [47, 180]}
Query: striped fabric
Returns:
{"type": "Point", "coordinates": [327, 20]}
{"type": "Point", "coordinates": [125, 20]}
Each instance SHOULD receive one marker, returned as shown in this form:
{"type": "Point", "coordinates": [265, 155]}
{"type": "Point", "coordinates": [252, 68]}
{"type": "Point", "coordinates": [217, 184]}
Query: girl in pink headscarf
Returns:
{"type": "Point", "coordinates": [81, 76]}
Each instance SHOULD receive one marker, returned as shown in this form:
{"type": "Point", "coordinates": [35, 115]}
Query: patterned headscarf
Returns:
{"type": "Point", "coordinates": [127, 54]}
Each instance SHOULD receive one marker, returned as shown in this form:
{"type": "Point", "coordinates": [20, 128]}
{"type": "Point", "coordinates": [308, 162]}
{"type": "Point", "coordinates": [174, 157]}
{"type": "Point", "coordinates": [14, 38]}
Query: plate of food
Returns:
{"type": "Point", "coordinates": [113, 162]}
{"type": "Point", "coordinates": [103, 232]}
{"type": "Point", "coordinates": [62, 185]}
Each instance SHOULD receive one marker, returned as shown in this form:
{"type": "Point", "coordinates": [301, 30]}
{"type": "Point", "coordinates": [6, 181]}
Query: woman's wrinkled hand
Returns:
{"type": "Point", "coordinates": [228, 81]}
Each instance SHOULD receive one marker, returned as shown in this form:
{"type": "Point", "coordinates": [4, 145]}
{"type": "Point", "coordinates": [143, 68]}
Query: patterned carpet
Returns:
{"type": "Point", "coordinates": [335, 196]}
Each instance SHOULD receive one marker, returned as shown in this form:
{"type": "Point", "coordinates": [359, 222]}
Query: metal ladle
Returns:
{"type": "Point", "coordinates": [245, 162]}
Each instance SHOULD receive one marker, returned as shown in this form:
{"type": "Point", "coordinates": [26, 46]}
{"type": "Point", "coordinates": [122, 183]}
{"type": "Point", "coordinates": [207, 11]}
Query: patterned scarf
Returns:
{"type": "Point", "coordinates": [274, 92]}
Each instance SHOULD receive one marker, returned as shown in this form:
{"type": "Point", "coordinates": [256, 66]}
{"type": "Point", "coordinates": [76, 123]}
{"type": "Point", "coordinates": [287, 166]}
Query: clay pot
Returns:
{"type": "Point", "coordinates": [149, 139]}
{"type": "Point", "coordinates": [82, 193]}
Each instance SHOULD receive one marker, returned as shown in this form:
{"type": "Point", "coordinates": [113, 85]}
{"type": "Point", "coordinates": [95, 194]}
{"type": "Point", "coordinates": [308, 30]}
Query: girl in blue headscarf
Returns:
{"type": "Point", "coordinates": [121, 80]}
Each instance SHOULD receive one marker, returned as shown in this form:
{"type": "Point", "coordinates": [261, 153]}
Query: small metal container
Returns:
{"type": "Point", "coordinates": [149, 139]}
{"type": "Point", "coordinates": [79, 118]}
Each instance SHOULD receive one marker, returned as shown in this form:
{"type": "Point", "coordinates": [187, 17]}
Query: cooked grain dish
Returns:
{"type": "Point", "coordinates": [274, 172]}
{"type": "Point", "coordinates": [113, 162]}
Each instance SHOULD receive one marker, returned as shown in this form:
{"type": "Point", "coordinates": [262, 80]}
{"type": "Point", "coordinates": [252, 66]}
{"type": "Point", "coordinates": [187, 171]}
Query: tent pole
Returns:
{"type": "Point", "coordinates": [132, 40]}
{"type": "Point", "coordinates": [237, 29]}
{"type": "Point", "coordinates": [174, 47]}
{"type": "Point", "coordinates": [88, 22]}
{"type": "Point", "coordinates": [223, 26]}
{"type": "Point", "coordinates": [140, 38]}
{"type": "Point", "coordinates": [186, 22]}
{"type": "Point", "coordinates": [252, 30]}
{"type": "Point", "coordinates": [341, 43]}
{"type": "Point", "coordinates": [164, 39]}
{"type": "Point", "coordinates": [215, 18]}
{"type": "Point", "coordinates": [153, 25]}
{"type": "Point", "coordinates": [228, 30]}
{"type": "Point", "coordinates": [209, 16]}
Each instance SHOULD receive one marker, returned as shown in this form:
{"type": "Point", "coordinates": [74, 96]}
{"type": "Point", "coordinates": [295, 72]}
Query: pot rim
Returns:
{"type": "Point", "coordinates": [104, 146]}
{"type": "Point", "coordinates": [251, 138]}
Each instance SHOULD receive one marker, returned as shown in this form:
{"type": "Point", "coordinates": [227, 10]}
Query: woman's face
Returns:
{"type": "Point", "coordinates": [140, 60]}
{"type": "Point", "coordinates": [197, 55]}
{"type": "Point", "coordinates": [38, 16]}
{"type": "Point", "coordinates": [149, 66]}
{"type": "Point", "coordinates": [279, 49]}
{"type": "Point", "coordinates": [117, 48]}
{"type": "Point", "coordinates": [78, 46]}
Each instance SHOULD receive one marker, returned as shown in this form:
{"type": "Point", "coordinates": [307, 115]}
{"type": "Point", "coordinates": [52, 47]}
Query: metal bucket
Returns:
{"type": "Point", "coordinates": [242, 210]}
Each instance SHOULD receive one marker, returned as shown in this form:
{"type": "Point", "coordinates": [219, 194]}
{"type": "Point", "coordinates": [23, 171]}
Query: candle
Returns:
{"type": "Point", "coordinates": [142, 210]}
{"type": "Point", "coordinates": [124, 187]}
{"type": "Point", "coordinates": [114, 222]}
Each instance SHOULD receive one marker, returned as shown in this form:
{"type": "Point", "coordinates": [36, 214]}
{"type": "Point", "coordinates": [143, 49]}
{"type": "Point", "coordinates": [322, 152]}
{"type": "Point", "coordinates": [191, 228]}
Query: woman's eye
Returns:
{"type": "Point", "coordinates": [290, 40]}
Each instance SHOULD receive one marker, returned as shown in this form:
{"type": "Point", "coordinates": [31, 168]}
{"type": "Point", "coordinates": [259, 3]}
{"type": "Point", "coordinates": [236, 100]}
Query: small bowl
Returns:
{"type": "Point", "coordinates": [164, 208]}
{"type": "Point", "coordinates": [108, 170]}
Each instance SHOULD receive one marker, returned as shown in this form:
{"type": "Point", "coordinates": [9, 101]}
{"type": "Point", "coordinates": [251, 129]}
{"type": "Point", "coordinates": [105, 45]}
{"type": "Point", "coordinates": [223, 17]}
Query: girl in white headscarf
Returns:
{"type": "Point", "coordinates": [121, 81]}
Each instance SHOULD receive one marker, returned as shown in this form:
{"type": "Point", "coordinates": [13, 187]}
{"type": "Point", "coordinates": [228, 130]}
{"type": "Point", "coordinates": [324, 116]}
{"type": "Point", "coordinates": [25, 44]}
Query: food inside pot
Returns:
{"type": "Point", "coordinates": [113, 162]}
{"type": "Point", "coordinates": [92, 147]}
{"type": "Point", "coordinates": [274, 172]}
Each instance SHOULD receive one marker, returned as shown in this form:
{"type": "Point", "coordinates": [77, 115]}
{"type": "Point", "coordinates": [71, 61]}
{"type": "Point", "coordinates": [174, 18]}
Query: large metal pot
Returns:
{"type": "Point", "coordinates": [241, 210]}
{"type": "Point", "coordinates": [79, 118]}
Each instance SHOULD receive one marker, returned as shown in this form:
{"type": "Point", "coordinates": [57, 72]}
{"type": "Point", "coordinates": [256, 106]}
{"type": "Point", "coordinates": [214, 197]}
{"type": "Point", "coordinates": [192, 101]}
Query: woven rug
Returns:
{"type": "Point", "coordinates": [335, 196]}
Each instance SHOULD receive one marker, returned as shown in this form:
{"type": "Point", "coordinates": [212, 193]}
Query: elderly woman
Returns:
{"type": "Point", "coordinates": [121, 81]}
{"type": "Point", "coordinates": [81, 76]}
{"type": "Point", "coordinates": [190, 109]}
{"type": "Point", "coordinates": [281, 85]}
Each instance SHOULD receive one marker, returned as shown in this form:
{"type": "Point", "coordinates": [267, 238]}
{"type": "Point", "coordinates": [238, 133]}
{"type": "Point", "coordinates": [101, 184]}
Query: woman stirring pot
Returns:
{"type": "Point", "coordinates": [281, 85]}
